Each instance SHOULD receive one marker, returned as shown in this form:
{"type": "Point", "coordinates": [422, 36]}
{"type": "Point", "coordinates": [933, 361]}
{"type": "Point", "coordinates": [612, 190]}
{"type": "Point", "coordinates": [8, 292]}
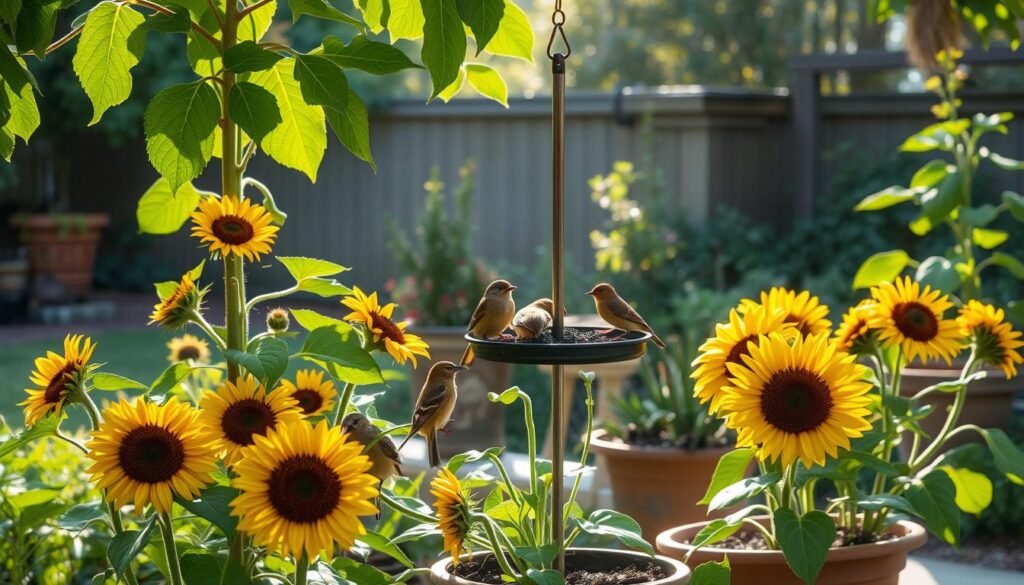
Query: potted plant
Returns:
{"type": "Point", "coordinates": [943, 189]}
{"type": "Point", "coordinates": [61, 248]}
{"type": "Point", "coordinates": [441, 283]}
{"type": "Point", "coordinates": [838, 505]}
{"type": "Point", "coordinates": [661, 451]}
{"type": "Point", "coordinates": [511, 527]}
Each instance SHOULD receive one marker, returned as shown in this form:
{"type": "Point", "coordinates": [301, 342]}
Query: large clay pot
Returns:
{"type": "Point", "coordinates": [591, 558]}
{"type": "Point", "coordinates": [63, 247]}
{"type": "Point", "coordinates": [658, 487]}
{"type": "Point", "coordinates": [989, 401]}
{"type": "Point", "coordinates": [878, 563]}
{"type": "Point", "coordinates": [476, 423]}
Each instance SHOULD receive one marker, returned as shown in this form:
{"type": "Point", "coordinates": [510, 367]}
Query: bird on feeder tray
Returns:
{"type": "Point", "coordinates": [492, 315]}
{"type": "Point", "coordinates": [385, 461]}
{"type": "Point", "coordinates": [619, 314]}
{"type": "Point", "coordinates": [434, 407]}
{"type": "Point", "coordinates": [534, 319]}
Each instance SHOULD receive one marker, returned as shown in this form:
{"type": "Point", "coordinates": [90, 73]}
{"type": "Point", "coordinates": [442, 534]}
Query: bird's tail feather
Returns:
{"type": "Point", "coordinates": [432, 452]}
{"type": "Point", "coordinates": [467, 358]}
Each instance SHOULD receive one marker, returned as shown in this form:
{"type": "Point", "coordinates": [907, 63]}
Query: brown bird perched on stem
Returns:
{"type": "Point", "coordinates": [384, 458]}
{"type": "Point", "coordinates": [434, 407]}
{"type": "Point", "coordinates": [492, 315]}
{"type": "Point", "coordinates": [534, 319]}
{"type": "Point", "coordinates": [618, 313]}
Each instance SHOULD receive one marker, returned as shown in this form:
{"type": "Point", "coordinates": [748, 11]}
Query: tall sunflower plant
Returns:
{"type": "Point", "coordinates": [512, 524]}
{"type": "Point", "coordinates": [819, 414]}
{"type": "Point", "coordinates": [944, 190]}
{"type": "Point", "coordinates": [228, 468]}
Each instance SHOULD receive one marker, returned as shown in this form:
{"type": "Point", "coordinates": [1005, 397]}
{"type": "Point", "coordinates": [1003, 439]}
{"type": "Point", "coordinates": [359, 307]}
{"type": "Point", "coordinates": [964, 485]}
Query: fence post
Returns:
{"type": "Point", "coordinates": [807, 122]}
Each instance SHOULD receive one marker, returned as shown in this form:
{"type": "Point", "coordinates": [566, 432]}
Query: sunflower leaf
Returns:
{"type": "Point", "coordinates": [44, 427]}
{"type": "Point", "coordinates": [339, 349]}
{"type": "Point", "coordinates": [804, 540]}
{"type": "Point", "coordinates": [267, 362]}
{"type": "Point", "coordinates": [302, 268]}
{"type": "Point", "coordinates": [742, 490]}
{"type": "Point", "coordinates": [124, 547]}
{"type": "Point", "coordinates": [880, 267]}
{"type": "Point", "coordinates": [1008, 457]}
{"type": "Point", "coordinates": [161, 211]}
{"type": "Point", "coordinates": [105, 381]}
{"type": "Point", "coordinates": [213, 504]}
{"type": "Point", "coordinates": [731, 468]}
{"type": "Point", "coordinates": [384, 546]}
{"type": "Point", "coordinates": [934, 497]}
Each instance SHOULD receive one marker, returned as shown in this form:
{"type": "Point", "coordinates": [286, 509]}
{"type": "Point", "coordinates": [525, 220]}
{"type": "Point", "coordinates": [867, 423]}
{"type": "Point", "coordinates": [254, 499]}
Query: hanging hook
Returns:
{"type": "Point", "coordinates": [558, 20]}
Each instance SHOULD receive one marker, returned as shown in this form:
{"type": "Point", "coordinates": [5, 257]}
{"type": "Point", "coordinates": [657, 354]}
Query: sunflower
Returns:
{"type": "Point", "coordinates": [995, 341]}
{"type": "Point", "coordinates": [303, 489]}
{"type": "Point", "coordinates": [230, 226]}
{"type": "Point", "coordinates": [145, 452]}
{"type": "Point", "coordinates": [175, 309]}
{"type": "Point", "coordinates": [801, 399]}
{"type": "Point", "coordinates": [240, 411]}
{"type": "Point", "coordinates": [314, 395]}
{"type": "Point", "coordinates": [188, 347]}
{"type": "Point", "coordinates": [853, 334]}
{"type": "Point", "coordinates": [912, 318]}
{"type": "Point", "coordinates": [803, 309]}
{"type": "Point", "coordinates": [377, 319]}
{"type": "Point", "coordinates": [55, 376]}
{"type": "Point", "coordinates": [729, 345]}
{"type": "Point", "coordinates": [453, 512]}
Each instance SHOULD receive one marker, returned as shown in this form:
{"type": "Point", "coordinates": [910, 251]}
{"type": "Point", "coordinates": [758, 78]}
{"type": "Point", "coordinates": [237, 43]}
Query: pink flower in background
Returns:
{"type": "Point", "coordinates": [390, 284]}
{"type": "Point", "coordinates": [446, 301]}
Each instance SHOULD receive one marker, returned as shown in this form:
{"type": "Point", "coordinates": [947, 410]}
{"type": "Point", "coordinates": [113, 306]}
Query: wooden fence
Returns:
{"type": "Point", "coordinates": [714, 148]}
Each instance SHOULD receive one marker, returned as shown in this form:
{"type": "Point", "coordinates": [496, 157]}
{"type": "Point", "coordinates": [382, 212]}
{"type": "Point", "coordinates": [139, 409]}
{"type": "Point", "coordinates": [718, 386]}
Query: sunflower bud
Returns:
{"type": "Point", "coordinates": [178, 303]}
{"type": "Point", "coordinates": [277, 320]}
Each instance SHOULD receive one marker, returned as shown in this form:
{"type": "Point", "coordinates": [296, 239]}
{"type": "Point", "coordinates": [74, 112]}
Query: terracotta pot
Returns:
{"type": "Point", "coordinates": [593, 558]}
{"type": "Point", "coordinates": [989, 401]}
{"type": "Point", "coordinates": [13, 277]}
{"type": "Point", "coordinates": [477, 423]}
{"type": "Point", "coordinates": [658, 487]}
{"type": "Point", "coordinates": [63, 247]}
{"type": "Point", "coordinates": [878, 563]}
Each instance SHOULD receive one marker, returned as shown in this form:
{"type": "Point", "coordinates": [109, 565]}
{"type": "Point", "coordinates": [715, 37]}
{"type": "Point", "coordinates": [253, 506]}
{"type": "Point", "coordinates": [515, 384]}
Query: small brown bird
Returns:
{"type": "Point", "coordinates": [434, 407]}
{"type": "Point", "coordinates": [384, 458]}
{"type": "Point", "coordinates": [618, 313]}
{"type": "Point", "coordinates": [492, 315]}
{"type": "Point", "coordinates": [534, 319]}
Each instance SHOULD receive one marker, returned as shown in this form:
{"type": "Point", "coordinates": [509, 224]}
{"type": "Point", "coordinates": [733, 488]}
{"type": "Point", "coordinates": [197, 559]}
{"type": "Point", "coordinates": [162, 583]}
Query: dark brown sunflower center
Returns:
{"type": "Point", "coordinates": [388, 328]}
{"type": "Point", "coordinates": [801, 325]}
{"type": "Point", "coordinates": [739, 350]}
{"type": "Point", "coordinates": [855, 332]}
{"type": "Point", "coordinates": [795, 400]}
{"type": "Point", "coordinates": [151, 454]}
{"type": "Point", "coordinates": [188, 352]}
{"type": "Point", "coordinates": [246, 418]}
{"type": "Point", "coordinates": [309, 400]}
{"type": "Point", "coordinates": [915, 321]}
{"type": "Point", "coordinates": [304, 489]}
{"type": "Point", "coordinates": [56, 389]}
{"type": "Point", "coordinates": [232, 229]}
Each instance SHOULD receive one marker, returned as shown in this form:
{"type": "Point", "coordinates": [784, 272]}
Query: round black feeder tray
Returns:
{"type": "Point", "coordinates": [571, 351]}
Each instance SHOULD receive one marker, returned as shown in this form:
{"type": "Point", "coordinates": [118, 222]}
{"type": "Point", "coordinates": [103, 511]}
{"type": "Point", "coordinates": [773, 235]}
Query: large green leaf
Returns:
{"type": "Point", "coordinates": [302, 268]}
{"type": "Point", "coordinates": [711, 573]}
{"type": "Point", "coordinates": [366, 55]}
{"type": "Point", "coordinates": [617, 525]}
{"type": "Point", "coordinates": [352, 127]}
{"type": "Point", "coordinates": [322, 9]}
{"type": "Point", "coordinates": [1015, 203]}
{"type": "Point", "coordinates": [124, 547]}
{"type": "Point", "coordinates": [938, 273]}
{"type": "Point", "coordinates": [989, 239]}
{"type": "Point", "coordinates": [444, 43]}
{"type": "Point", "coordinates": [214, 505]}
{"type": "Point", "coordinates": [938, 203]}
{"type": "Point", "coordinates": [338, 348]}
{"type": "Point", "coordinates": [13, 70]}
{"type": "Point", "coordinates": [488, 82]}
{"type": "Point", "coordinates": [179, 127]}
{"type": "Point", "coordinates": [934, 498]}
{"type": "Point", "coordinates": [254, 109]}
{"type": "Point", "coordinates": [110, 46]}
{"type": "Point", "coordinates": [82, 515]}
{"type": "Point", "coordinates": [321, 81]}
{"type": "Point", "coordinates": [382, 545]}
{"type": "Point", "coordinates": [880, 267]}
{"type": "Point", "coordinates": [111, 382]}
{"type": "Point", "coordinates": [24, 112]}
{"type": "Point", "coordinates": [514, 37]}
{"type": "Point", "coordinates": [545, 577]}
{"type": "Point", "coordinates": [483, 18]}
{"type": "Point", "coordinates": [1007, 456]}
{"type": "Point", "coordinates": [406, 20]}
{"type": "Point", "coordinates": [804, 541]}
{"type": "Point", "coordinates": [310, 320]}
{"type": "Point", "coordinates": [1005, 163]}
{"type": "Point", "coordinates": [44, 427]}
{"type": "Point", "coordinates": [247, 56]}
{"type": "Point", "coordinates": [743, 490]}
{"type": "Point", "coordinates": [267, 361]}
{"type": "Point", "coordinates": [300, 140]}
{"type": "Point", "coordinates": [973, 489]}
{"type": "Point", "coordinates": [36, 23]}
{"type": "Point", "coordinates": [256, 23]}
{"type": "Point", "coordinates": [931, 173]}
{"type": "Point", "coordinates": [885, 198]}
{"type": "Point", "coordinates": [160, 211]}
{"type": "Point", "coordinates": [731, 468]}
{"type": "Point", "coordinates": [1013, 265]}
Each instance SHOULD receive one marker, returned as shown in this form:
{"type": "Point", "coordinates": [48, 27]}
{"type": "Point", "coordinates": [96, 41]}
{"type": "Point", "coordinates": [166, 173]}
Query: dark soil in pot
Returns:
{"type": "Point", "coordinates": [609, 570]}
{"type": "Point", "coordinates": [753, 540]}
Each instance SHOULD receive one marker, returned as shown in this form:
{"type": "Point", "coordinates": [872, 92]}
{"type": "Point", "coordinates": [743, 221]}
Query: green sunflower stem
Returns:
{"type": "Point", "coordinates": [171, 550]}
{"type": "Point", "coordinates": [301, 570]}
{"type": "Point", "coordinates": [951, 420]}
{"type": "Point", "coordinates": [346, 398]}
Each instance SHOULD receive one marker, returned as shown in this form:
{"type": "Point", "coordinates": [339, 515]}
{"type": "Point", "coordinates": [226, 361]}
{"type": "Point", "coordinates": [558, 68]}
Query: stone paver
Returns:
{"type": "Point", "coordinates": [923, 571]}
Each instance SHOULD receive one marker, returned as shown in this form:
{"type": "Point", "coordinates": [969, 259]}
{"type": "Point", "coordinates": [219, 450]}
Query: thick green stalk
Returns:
{"type": "Point", "coordinates": [170, 549]}
{"type": "Point", "coordinates": [346, 398]}
{"type": "Point", "coordinates": [301, 570]}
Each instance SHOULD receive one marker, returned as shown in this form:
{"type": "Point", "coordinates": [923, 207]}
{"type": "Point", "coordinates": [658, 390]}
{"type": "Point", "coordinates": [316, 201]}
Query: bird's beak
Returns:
{"type": "Point", "coordinates": [512, 287]}
{"type": "Point", "coordinates": [461, 368]}
{"type": "Point", "coordinates": [590, 292]}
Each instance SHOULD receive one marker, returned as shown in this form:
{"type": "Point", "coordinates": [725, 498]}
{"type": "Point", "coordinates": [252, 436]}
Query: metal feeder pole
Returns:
{"type": "Point", "coordinates": [558, 296]}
